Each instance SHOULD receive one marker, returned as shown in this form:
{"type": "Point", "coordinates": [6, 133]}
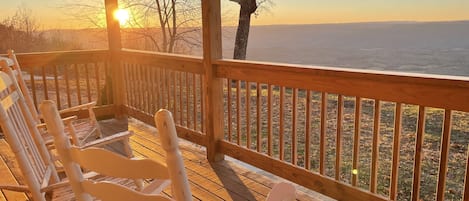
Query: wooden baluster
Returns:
{"type": "Point", "coordinates": [108, 72]}
{"type": "Point", "coordinates": [176, 95]}
{"type": "Point", "coordinates": [167, 76]}
{"type": "Point", "coordinates": [187, 100]}
{"type": "Point", "coordinates": [445, 145]}
{"type": "Point", "coordinates": [308, 131]}
{"type": "Point", "coordinates": [131, 75]}
{"type": "Point", "coordinates": [375, 147]}
{"type": "Point", "coordinates": [44, 81]}
{"type": "Point", "coordinates": [181, 103]}
{"type": "Point", "coordinates": [67, 87]}
{"type": "Point", "coordinates": [202, 123]}
{"type": "Point", "coordinates": [98, 84]}
{"type": "Point", "coordinates": [294, 153]}
{"type": "Point", "coordinates": [142, 87]}
{"type": "Point", "coordinates": [228, 103]}
{"type": "Point", "coordinates": [281, 120]}
{"type": "Point", "coordinates": [248, 116]}
{"type": "Point", "coordinates": [194, 89]}
{"type": "Point", "coordinates": [33, 86]}
{"type": "Point", "coordinates": [77, 81]}
{"type": "Point", "coordinates": [238, 112]}
{"type": "Point", "coordinates": [152, 88]}
{"type": "Point", "coordinates": [137, 86]}
{"type": "Point", "coordinates": [356, 141]}
{"type": "Point", "coordinates": [57, 89]}
{"type": "Point", "coordinates": [88, 85]}
{"type": "Point", "coordinates": [338, 150]}
{"type": "Point", "coordinates": [258, 116]}
{"type": "Point", "coordinates": [466, 180]}
{"type": "Point", "coordinates": [323, 140]}
{"type": "Point", "coordinates": [418, 154]}
{"type": "Point", "coordinates": [125, 69]}
{"type": "Point", "coordinates": [269, 120]}
{"type": "Point", "coordinates": [157, 82]}
{"type": "Point", "coordinates": [151, 92]}
{"type": "Point", "coordinates": [149, 85]}
{"type": "Point", "coordinates": [395, 151]}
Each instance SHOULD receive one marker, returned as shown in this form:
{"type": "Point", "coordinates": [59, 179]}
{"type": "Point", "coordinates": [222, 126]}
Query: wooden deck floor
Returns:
{"type": "Point", "coordinates": [225, 180]}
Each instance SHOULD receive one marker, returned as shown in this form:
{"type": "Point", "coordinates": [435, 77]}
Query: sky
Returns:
{"type": "Point", "coordinates": [49, 15]}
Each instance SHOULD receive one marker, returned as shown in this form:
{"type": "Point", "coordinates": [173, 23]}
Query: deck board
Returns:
{"type": "Point", "coordinates": [9, 168]}
{"type": "Point", "coordinates": [225, 180]}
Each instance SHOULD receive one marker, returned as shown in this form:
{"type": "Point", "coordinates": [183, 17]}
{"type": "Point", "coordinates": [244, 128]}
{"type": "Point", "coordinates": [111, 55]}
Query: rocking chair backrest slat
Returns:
{"type": "Point", "coordinates": [111, 164]}
{"type": "Point", "coordinates": [23, 137]}
{"type": "Point", "coordinates": [22, 85]}
{"type": "Point", "coordinates": [39, 166]}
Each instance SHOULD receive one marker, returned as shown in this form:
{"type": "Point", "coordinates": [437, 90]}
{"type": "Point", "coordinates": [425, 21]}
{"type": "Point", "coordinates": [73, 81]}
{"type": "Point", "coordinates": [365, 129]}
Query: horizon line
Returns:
{"type": "Point", "coordinates": [299, 24]}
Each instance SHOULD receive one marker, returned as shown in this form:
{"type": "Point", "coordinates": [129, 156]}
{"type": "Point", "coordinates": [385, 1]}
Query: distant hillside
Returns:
{"type": "Point", "coordinates": [423, 47]}
{"type": "Point", "coordinates": [430, 47]}
{"type": "Point", "coordinates": [86, 38]}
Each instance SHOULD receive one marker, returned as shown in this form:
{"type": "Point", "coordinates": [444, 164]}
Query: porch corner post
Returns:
{"type": "Point", "coordinates": [115, 47]}
{"type": "Point", "coordinates": [213, 86]}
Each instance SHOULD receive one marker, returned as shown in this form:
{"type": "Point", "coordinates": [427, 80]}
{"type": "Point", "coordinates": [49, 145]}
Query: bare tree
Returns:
{"type": "Point", "coordinates": [159, 25]}
{"type": "Point", "coordinates": [247, 8]}
{"type": "Point", "coordinates": [178, 23]}
{"type": "Point", "coordinates": [20, 31]}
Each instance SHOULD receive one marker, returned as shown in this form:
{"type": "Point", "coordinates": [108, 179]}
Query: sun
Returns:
{"type": "Point", "coordinates": [122, 15]}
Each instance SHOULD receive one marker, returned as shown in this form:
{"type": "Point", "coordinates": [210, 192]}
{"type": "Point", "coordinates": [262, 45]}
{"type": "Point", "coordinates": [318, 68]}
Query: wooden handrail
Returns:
{"type": "Point", "coordinates": [190, 64]}
{"type": "Point", "coordinates": [439, 91]}
{"type": "Point", "coordinates": [61, 57]}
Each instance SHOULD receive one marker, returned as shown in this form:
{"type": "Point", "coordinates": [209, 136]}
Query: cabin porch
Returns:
{"type": "Point", "coordinates": [348, 134]}
{"type": "Point", "coordinates": [224, 180]}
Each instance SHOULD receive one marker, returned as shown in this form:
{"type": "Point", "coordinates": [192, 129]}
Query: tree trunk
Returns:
{"type": "Point", "coordinates": [248, 7]}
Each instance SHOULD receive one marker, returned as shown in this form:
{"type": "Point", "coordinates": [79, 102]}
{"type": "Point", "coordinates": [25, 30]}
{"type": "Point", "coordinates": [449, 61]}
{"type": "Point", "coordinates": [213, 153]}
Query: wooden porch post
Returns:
{"type": "Point", "coordinates": [213, 87]}
{"type": "Point", "coordinates": [115, 46]}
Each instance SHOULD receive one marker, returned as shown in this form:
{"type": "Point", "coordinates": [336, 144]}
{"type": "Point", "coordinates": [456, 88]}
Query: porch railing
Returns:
{"type": "Point", "coordinates": [348, 134]}
{"type": "Point", "coordinates": [69, 78]}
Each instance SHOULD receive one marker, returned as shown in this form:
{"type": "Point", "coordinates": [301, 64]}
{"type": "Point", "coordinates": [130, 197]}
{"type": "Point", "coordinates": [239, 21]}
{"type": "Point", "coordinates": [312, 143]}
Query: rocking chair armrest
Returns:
{"type": "Point", "coordinates": [87, 106]}
{"type": "Point", "coordinates": [55, 186]}
{"type": "Point", "coordinates": [66, 120]}
{"type": "Point", "coordinates": [17, 188]}
{"type": "Point", "coordinates": [109, 139]}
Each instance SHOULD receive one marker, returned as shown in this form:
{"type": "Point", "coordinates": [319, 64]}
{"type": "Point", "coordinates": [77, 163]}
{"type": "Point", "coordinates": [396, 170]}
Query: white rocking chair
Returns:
{"type": "Point", "coordinates": [83, 132]}
{"type": "Point", "coordinates": [25, 140]}
{"type": "Point", "coordinates": [111, 164]}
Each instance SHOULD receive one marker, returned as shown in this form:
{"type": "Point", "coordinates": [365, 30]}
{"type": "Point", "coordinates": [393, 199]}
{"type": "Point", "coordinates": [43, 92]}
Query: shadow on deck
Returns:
{"type": "Point", "coordinates": [226, 180]}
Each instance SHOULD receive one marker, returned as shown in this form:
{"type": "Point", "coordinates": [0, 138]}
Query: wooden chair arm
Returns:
{"type": "Point", "coordinates": [17, 188]}
{"type": "Point", "coordinates": [109, 139]}
{"type": "Point", "coordinates": [55, 186]}
{"type": "Point", "coordinates": [87, 106]}
{"type": "Point", "coordinates": [66, 120]}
